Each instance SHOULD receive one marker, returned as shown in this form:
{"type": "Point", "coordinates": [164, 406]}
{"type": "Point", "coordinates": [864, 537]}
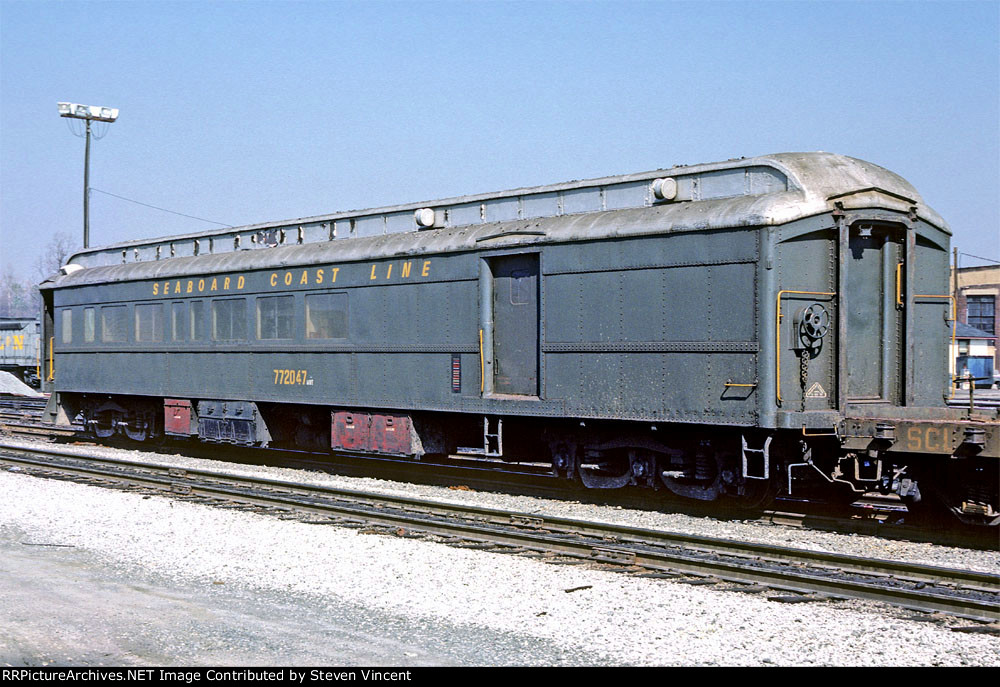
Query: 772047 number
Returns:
{"type": "Point", "coordinates": [292, 377]}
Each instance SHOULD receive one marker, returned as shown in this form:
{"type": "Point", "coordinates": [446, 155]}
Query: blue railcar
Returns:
{"type": "Point", "coordinates": [721, 331]}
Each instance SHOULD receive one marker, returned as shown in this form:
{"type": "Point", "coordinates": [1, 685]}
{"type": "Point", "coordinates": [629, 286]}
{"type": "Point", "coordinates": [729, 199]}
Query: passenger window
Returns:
{"type": "Point", "coordinates": [149, 322]}
{"type": "Point", "coordinates": [89, 325]}
{"type": "Point", "coordinates": [177, 322]}
{"type": "Point", "coordinates": [326, 316]}
{"type": "Point", "coordinates": [274, 317]}
{"type": "Point", "coordinates": [67, 326]}
{"type": "Point", "coordinates": [114, 323]}
{"type": "Point", "coordinates": [197, 320]}
{"type": "Point", "coordinates": [229, 320]}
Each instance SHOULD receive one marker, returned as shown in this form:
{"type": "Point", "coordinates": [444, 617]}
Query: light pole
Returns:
{"type": "Point", "coordinates": [89, 113]}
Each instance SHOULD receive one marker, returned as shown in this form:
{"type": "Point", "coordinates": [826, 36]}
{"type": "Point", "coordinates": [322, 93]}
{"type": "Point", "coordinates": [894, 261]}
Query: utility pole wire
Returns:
{"type": "Point", "coordinates": [978, 257]}
{"type": "Point", "coordinates": [200, 219]}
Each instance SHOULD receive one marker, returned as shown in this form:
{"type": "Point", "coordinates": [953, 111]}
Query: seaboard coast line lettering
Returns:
{"type": "Point", "coordinates": [296, 277]}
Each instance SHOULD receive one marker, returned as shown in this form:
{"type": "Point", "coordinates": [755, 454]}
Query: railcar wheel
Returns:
{"type": "Point", "coordinates": [698, 475]}
{"type": "Point", "coordinates": [926, 510]}
{"type": "Point", "coordinates": [607, 473]}
{"type": "Point", "coordinates": [140, 433]}
{"type": "Point", "coordinates": [104, 424]}
{"type": "Point", "coordinates": [754, 495]}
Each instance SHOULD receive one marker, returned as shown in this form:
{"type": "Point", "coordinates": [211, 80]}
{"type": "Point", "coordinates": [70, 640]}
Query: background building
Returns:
{"type": "Point", "coordinates": [978, 293]}
{"type": "Point", "coordinates": [974, 353]}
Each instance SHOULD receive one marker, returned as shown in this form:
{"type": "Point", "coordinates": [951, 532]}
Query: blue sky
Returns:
{"type": "Point", "coordinates": [242, 112]}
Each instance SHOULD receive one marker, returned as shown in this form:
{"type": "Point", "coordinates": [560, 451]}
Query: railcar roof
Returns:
{"type": "Point", "coordinates": [767, 190]}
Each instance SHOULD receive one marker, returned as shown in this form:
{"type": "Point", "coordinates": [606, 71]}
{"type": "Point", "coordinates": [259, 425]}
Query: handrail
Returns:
{"type": "Point", "coordinates": [52, 362]}
{"type": "Point", "coordinates": [899, 285]}
{"type": "Point", "coordinates": [482, 364]}
{"type": "Point", "coordinates": [777, 333]}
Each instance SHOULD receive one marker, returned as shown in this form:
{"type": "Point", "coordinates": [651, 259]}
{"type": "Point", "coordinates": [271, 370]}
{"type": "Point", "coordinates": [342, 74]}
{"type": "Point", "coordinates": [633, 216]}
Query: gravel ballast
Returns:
{"type": "Point", "coordinates": [9, 384]}
{"type": "Point", "coordinates": [520, 607]}
{"type": "Point", "coordinates": [856, 545]}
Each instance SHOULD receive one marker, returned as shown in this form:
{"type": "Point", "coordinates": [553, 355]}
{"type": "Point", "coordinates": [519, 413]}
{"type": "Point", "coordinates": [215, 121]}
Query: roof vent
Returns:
{"type": "Point", "coordinates": [665, 189]}
{"type": "Point", "coordinates": [426, 218]}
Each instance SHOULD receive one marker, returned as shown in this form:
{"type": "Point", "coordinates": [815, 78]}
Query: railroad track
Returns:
{"type": "Point", "coordinates": [18, 423]}
{"type": "Point", "coordinates": [982, 399]}
{"type": "Point", "coordinates": [784, 573]}
{"type": "Point", "coordinates": [20, 410]}
{"type": "Point", "coordinates": [871, 515]}
{"type": "Point", "coordinates": [10, 401]}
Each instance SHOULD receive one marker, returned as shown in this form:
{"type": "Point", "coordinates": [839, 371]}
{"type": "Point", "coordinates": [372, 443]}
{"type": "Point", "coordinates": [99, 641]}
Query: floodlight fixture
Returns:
{"type": "Point", "coordinates": [89, 113]}
{"type": "Point", "coordinates": [94, 112]}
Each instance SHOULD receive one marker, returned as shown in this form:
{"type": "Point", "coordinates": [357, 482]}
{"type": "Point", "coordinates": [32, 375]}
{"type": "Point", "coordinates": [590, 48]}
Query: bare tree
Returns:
{"type": "Point", "coordinates": [54, 256]}
{"type": "Point", "coordinates": [20, 297]}
{"type": "Point", "coordinates": [16, 296]}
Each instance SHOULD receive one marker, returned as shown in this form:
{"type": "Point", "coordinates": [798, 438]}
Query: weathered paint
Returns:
{"type": "Point", "coordinates": [646, 313]}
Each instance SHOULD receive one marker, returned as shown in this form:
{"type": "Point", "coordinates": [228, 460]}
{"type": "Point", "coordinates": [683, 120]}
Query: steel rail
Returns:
{"type": "Point", "coordinates": [622, 533]}
{"type": "Point", "coordinates": [870, 521]}
{"type": "Point", "coordinates": [35, 429]}
{"type": "Point", "coordinates": [780, 568]}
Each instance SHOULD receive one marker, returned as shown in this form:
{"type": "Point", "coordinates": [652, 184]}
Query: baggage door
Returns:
{"type": "Point", "coordinates": [874, 314]}
{"type": "Point", "coordinates": [515, 324]}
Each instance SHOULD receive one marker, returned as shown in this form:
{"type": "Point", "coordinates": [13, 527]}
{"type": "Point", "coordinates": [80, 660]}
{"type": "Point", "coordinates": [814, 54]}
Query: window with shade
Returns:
{"type": "Point", "coordinates": [67, 326]}
{"type": "Point", "coordinates": [326, 316]}
{"type": "Point", "coordinates": [114, 323]}
{"type": "Point", "coordinates": [229, 320]}
{"type": "Point", "coordinates": [149, 322]}
{"type": "Point", "coordinates": [274, 317]}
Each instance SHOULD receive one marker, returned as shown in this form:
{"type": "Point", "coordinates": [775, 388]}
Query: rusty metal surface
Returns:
{"type": "Point", "coordinates": [940, 437]}
{"type": "Point", "coordinates": [349, 431]}
{"type": "Point", "coordinates": [372, 432]}
{"type": "Point", "coordinates": [391, 434]}
{"type": "Point", "coordinates": [177, 414]}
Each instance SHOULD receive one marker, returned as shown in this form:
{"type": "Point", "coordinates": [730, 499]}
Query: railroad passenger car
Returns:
{"type": "Point", "coordinates": [19, 348]}
{"type": "Point", "coordinates": [721, 331]}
